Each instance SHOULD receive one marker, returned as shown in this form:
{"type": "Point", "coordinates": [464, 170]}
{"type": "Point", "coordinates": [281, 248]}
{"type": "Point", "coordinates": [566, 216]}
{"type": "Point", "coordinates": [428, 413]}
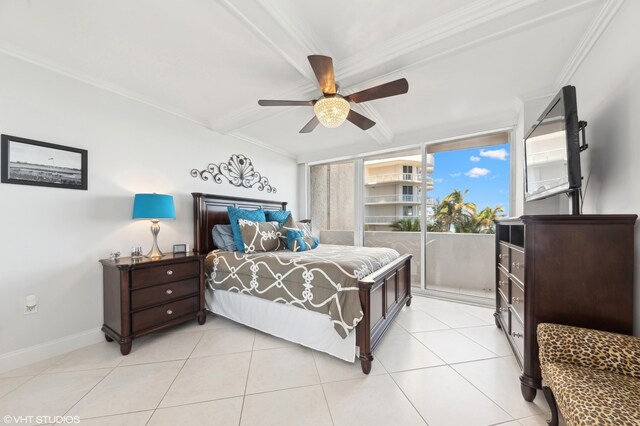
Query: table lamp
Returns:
{"type": "Point", "coordinates": [154, 207]}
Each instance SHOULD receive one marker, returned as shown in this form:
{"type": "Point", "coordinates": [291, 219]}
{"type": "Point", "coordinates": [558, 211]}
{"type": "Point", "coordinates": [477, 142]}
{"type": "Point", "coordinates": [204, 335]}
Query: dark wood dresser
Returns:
{"type": "Point", "coordinates": [574, 270]}
{"type": "Point", "coordinates": [146, 295]}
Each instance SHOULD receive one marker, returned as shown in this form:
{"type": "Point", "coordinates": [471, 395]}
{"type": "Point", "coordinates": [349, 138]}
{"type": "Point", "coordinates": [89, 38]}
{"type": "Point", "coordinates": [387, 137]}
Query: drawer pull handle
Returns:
{"type": "Point", "coordinates": [517, 265]}
{"type": "Point", "coordinates": [516, 300]}
{"type": "Point", "coordinates": [169, 272]}
{"type": "Point", "coordinates": [502, 256]}
{"type": "Point", "coordinates": [169, 291]}
{"type": "Point", "coordinates": [503, 309]}
{"type": "Point", "coordinates": [514, 334]}
{"type": "Point", "coordinates": [501, 283]}
{"type": "Point", "coordinates": [169, 312]}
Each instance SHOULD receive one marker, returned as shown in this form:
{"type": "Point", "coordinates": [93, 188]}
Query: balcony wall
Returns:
{"type": "Point", "coordinates": [456, 263]}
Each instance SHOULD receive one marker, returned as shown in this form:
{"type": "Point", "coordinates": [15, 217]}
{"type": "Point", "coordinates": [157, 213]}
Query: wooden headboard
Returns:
{"type": "Point", "coordinates": [211, 209]}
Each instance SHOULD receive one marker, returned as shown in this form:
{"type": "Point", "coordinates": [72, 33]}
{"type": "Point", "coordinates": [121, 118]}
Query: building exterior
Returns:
{"type": "Point", "coordinates": [393, 191]}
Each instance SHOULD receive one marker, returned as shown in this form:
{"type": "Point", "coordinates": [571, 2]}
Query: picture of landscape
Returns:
{"type": "Point", "coordinates": [38, 163]}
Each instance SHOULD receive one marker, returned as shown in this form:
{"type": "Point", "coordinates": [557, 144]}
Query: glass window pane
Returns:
{"type": "Point", "coordinates": [332, 202]}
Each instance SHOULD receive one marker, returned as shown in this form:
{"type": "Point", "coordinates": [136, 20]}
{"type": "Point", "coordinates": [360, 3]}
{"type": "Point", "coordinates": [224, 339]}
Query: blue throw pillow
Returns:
{"type": "Point", "coordinates": [234, 215]}
{"type": "Point", "coordinates": [279, 216]}
{"type": "Point", "coordinates": [300, 241]}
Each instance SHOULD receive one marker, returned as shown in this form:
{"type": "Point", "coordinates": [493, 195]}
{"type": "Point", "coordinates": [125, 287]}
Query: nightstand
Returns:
{"type": "Point", "coordinates": [145, 295]}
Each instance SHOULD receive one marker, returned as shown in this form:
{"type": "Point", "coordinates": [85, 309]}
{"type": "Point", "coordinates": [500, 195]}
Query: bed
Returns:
{"type": "Point", "coordinates": [381, 293]}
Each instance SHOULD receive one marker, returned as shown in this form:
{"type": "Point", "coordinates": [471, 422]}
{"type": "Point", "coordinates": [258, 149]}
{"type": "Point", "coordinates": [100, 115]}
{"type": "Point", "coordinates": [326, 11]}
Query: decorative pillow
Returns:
{"type": "Point", "coordinates": [280, 216]}
{"type": "Point", "coordinates": [223, 237]}
{"type": "Point", "coordinates": [297, 240]}
{"type": "Point", "coordinates": [236, 214]}
{"type": "Point", "coordinates": [260, 236]}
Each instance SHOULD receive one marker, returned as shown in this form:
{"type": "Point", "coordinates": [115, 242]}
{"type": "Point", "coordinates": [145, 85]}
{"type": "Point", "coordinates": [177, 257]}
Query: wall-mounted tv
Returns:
{"type": "Point", "coordinates": [552, 149]}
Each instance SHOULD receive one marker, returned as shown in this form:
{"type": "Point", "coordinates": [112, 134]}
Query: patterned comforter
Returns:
{"type": "Point", "coordinates": [323, 280]}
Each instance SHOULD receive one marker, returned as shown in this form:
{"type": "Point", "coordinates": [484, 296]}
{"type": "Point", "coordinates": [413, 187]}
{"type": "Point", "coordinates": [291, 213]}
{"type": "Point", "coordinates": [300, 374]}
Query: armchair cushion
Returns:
{"type": "Point", "coordinates": [590, 396]}
{"type": "Point", "coordinates": [588, 348]}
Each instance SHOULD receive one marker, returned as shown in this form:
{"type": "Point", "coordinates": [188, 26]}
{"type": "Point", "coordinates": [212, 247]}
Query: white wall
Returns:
{"type": "Point", "coordinates": [52, 238]}
{"type": "Point", "coordinates": [608, 92]}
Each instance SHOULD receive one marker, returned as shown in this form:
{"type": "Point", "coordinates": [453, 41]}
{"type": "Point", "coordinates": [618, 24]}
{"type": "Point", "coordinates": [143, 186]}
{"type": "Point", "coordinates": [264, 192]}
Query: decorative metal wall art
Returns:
{"type": "Point", "coordinates": [238, 171]}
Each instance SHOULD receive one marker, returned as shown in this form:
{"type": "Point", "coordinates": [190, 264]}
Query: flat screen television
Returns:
{"type": "Point", "coordinates": [552, 149]}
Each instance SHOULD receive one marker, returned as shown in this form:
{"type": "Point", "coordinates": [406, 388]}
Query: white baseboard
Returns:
{"type": "Point", "coordinates": [21, 357]}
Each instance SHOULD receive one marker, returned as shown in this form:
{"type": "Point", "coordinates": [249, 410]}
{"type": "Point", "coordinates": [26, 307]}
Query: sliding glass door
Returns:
{"type": "Point", "coordinates": [392, 201]}
{"type": "Point", "coordinates": [332, 203]}
{"type": "Point", "coordinates": [437, 202]}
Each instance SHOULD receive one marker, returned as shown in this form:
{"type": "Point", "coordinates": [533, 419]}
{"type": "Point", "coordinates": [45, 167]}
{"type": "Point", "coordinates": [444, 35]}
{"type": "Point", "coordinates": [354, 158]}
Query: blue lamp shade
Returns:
{"type": "Point", "coordinates": [153, 206]}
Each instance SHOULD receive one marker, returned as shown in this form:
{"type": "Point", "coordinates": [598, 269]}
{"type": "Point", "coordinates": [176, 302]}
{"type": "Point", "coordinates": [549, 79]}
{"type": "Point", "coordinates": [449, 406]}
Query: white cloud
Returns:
{"type": "Point", "coordinates": [476, 172]}
{"type": "Point", "coordinates": [438, 180]}
{"type": "Point", "coordinates": [474, 158]}
{"type": "Point", "coordinates": [496, 154]}
{"type": "Point", "coordinates": [455, 174]}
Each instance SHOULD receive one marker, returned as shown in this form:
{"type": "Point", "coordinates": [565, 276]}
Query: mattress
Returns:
{"type": "Point", "coordinates": [323, 280]}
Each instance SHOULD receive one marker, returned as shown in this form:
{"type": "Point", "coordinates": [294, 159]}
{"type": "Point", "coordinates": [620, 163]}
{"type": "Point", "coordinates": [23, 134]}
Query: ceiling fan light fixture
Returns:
{"type": "Point", "coordinates": [332, 110]}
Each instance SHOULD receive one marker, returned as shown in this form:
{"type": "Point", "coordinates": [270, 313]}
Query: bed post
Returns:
{"type": "Point", "coordinates": [363, 329]}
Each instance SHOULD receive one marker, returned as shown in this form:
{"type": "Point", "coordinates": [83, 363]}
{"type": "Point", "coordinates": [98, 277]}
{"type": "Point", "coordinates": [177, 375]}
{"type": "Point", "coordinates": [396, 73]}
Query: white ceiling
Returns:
{"type": "Point", "coordinates": [468, 62]}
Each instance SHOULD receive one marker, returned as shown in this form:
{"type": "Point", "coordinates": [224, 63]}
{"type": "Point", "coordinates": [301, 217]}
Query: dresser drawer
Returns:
{"type": "Point", "coordinates": [503, 311]}
{"type": "Point", "coordinates": [163, 313]}
{"type": "Point", "coordinates": [144, 277]}
{"type": "Point", "coordinates": [503, 256]}
{"type": "Point", "coordinates": [163, 293]}
{"type": "Point", "coordinates": [517, 264]}
{"type": "Point", "coordinates": [517, 334]}
{"type": "Point", "coordinates": [517, 299]}
{"type": "Point", "coordinates": [503, 284]}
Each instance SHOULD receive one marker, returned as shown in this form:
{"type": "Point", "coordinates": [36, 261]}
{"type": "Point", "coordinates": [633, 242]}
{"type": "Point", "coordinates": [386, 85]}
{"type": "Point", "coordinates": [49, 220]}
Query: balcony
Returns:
{"type": "Point", "coordinates": [411, 199]}
{"type": "Point", "coordinates": [413, 178]}
{"type": "Point", "coordinates": [386, 220]}
{"type": "Point", "coordinates": [460, 264]}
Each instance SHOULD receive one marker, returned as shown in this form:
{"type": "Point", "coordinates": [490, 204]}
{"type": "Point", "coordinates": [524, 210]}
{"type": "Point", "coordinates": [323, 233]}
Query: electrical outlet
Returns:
{"type": "Point", "coordinates": [31, 305]}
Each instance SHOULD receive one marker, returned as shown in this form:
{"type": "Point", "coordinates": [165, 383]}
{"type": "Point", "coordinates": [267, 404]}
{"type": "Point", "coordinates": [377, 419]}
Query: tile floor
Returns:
{"type": "Point", "coordinates": [441, 363]}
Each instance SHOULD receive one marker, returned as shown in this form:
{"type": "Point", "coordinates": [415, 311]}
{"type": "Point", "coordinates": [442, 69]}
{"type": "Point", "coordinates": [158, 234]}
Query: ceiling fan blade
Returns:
{"type": "Point", "coordinates": [323, 69]}
{"type": "Point", "coordinates": [393, 88]}
{"type": "Point", "coordinates": [308, 128]}
{"type": "Point", "coordinates": [268, 102]}
{"type": "Point", "coordinates": [360, 120]}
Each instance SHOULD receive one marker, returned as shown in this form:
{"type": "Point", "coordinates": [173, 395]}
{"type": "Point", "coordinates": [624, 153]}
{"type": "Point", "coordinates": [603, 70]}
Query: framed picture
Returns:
{"type": "Point", "coordinates": [29, 162]}
{"type": "Point", "coordinates": [180, 248]}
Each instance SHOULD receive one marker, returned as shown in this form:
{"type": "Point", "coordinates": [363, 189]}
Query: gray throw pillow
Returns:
{"type": "Point", "coordinates": [260, 236]}
{"type": "Point", "coordinates": [223, 237]}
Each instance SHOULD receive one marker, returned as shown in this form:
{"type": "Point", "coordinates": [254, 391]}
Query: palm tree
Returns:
{"type": "Point", "coordinates": [487, 216]}
{"type": "Point", "coordinates": [407, 225]}
{"type": "Point", "coordinates": [452, 210]}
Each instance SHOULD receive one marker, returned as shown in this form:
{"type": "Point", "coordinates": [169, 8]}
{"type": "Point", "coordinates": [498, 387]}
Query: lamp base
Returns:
{"type": "Point", "coordinates": [155, 251]}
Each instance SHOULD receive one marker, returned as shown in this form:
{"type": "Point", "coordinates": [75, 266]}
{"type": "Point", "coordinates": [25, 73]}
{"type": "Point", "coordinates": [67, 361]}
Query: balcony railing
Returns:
{"type": "Point", "coordinates": [397, 177]}
{"type": "Point", "coordinates": [388, 220]}
{"type": "Point", "coordinates": [456, 263]}
{"type": "Point", "coordinates": [396, 198]}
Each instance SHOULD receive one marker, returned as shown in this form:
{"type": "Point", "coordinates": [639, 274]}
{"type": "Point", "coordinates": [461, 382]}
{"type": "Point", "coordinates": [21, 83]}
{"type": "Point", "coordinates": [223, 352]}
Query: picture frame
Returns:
{"type": "Point", "coordinates": [180, 248]}
{"type": "Point", "coordinates": [30, 162]}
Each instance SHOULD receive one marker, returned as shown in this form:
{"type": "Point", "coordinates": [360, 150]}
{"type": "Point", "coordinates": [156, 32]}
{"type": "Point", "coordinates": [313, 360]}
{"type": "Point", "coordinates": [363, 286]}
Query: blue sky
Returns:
{"type": "Point", "coordinates": [483, 171]}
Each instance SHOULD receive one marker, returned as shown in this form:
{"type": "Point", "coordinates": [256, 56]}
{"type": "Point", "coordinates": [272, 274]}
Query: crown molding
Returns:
{"type": "Point", "coordinates": [589, 39]}
{"type": "Point", "coordinates": [261, 144]}
{"type": "Point", "coordinates": [101, 84]}
{"type": "Point", "coordinates": [129, 95]}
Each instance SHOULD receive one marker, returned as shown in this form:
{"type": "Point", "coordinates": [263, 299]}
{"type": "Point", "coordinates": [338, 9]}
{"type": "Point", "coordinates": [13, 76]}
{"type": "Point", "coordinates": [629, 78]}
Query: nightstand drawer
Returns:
{"type": "Point", "coordinates": [163, 293]}
{"type": "Point", "coordinates": [144, 277]}
{"type": "Point", "coordinates": [158, 315]}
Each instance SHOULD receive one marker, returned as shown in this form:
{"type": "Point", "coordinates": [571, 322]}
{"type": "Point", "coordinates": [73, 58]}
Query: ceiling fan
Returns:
{"type": "Point", "coordinates": [331, 109]}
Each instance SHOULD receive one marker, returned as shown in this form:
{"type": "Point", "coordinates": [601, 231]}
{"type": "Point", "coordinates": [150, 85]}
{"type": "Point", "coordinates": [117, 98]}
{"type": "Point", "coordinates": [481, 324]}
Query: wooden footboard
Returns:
{"type": "Point", "coordinates": [382, 294]}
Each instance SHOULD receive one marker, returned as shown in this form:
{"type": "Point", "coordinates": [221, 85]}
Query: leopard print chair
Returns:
{"type": "Point", "coordinates": [592, 376]}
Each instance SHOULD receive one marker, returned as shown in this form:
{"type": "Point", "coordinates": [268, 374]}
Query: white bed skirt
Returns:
{"type": "Point", "coordinates": [307, 328]}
